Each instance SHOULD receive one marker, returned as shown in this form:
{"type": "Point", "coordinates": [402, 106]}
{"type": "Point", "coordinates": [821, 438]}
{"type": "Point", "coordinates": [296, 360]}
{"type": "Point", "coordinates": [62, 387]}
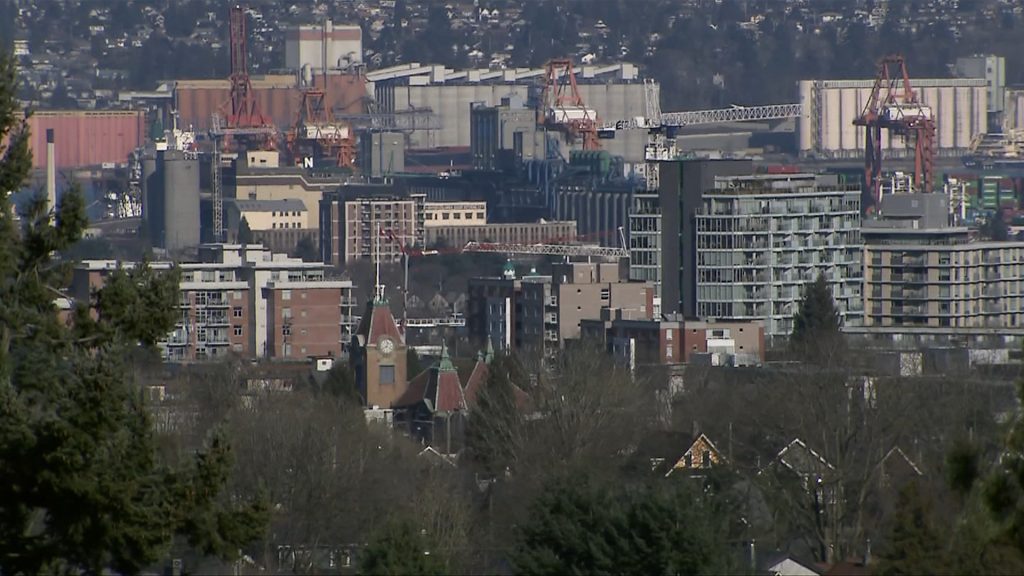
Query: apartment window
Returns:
{"type": "Point", "coordinates": [238, 330]}
{"type": "Point", "coordinates": [458, 215]}
{"type": "Point", "coordinates": [387, 374]}
{"type": "Point", "coordinates": [479, 215]}
{"type": "Point", "coordinates": [286, 313]}
{"type": "Point", "coordinates": [302, 313]}
{"type": "Point", "coordinates": [286, 330]}
{"type": "Point", "coordinates": [286, 294]}
{"type": "Point", "coordinates": [237, 347]}
{"type": "Point", "coordinates": [444, 216]}
{"type": "Point", "coordinates": [286, 349]}
{"type": "Point", "coordinates": [236, 312]}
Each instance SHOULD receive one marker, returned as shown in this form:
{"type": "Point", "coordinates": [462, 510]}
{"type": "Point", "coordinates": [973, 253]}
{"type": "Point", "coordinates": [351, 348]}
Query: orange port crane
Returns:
{"type": "Point", "coordinates": [562, 107]}
{"type": "Point", "coordinates": [894, 105]}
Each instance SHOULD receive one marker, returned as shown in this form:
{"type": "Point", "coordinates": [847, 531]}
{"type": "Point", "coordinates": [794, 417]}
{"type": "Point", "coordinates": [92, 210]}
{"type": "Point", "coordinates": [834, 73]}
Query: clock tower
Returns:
{"type": "Point", "coordinates": [378, 355]}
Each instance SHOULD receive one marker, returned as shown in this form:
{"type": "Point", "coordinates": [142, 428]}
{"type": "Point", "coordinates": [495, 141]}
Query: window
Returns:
{"type": "Point", "coordinates": [387, 374]}
{"type": "Point", "coordinates": [286, 330]}
{"type": "Point", "coordinates": [237, 312]}
{"type": "Point", "coordinates": [302, 313]}
{"type": "Point", "coordinates": [238, 330]}
{"type": "Point", "coordinates": [444, 216]}
{"type": "Point", "coordinates": [286, 313]}
{"type": "Point", "coordinates": [286, 294]}
{"type": "Point", "coordinates": [479, 215]}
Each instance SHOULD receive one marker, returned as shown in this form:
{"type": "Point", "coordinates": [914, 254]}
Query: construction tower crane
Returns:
{"type": "Point", "coordinates": [407, 252]}
{"type": "Point", "coordinates": [562, 106]}
{"type": "Point", "coordinates": [894, 105]}
{"type": "Point", "coordinates": [547, 249]}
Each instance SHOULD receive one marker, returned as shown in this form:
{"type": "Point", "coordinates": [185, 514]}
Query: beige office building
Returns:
{"type": "Point", "coordinates": [511, 233]}
{"type": "Point", "coordinates": [454, 214]}
{"type": "Point", "coordinates": [920, 272]}
{"type": "Point", "coordinates": [554, 307]}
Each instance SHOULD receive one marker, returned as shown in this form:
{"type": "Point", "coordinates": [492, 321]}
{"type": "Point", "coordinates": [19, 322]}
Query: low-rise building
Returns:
{"type": "Point", "coordinates": [277, 224]}
{"type": "Point", "coordinates": [635, 339]}
{"type": "Point", "coordinates": [452, 214]}
{"type": "Point", "coordinates": [510, 233]}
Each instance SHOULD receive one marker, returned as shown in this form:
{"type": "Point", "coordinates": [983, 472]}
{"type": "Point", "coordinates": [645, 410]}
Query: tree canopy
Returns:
{"type": "Point", "coordinates": [816, 323]}
{"type": "Point", "coordinates": [578, 527]}
{"type": "Point", "coordinates": [81, 488]}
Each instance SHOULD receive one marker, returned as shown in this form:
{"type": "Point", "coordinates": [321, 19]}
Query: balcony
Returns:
{"type": "Point", "coordinates": [910, 310]}
{"type": "Point", "coordinates": [909, 294]}
{"type": "Point", "coordinates": [910, 278]}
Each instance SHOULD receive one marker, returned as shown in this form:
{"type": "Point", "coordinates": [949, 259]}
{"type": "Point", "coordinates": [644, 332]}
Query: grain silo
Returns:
{"type": "Point", "coordinates": [180, 200]}
{"type": "Point", "coordinates": [152, 200]}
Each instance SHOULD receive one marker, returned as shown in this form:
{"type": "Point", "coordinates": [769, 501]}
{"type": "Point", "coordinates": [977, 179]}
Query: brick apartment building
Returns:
{"type": "Point", "coordinates": [248, 301]}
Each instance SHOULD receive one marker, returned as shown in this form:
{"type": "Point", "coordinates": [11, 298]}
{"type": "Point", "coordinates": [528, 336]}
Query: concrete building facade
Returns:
{"type": "Point", "coordinates": [825, 128]}
{"type": "Point", "coordinates": [352, 228]}
{"type": "Point", "coordinates": [512, 233]}
{"type": "Point", "coordinates": [259, 183]}
{"type": "Point", "coordinates": [762, 238]}
{"type": "Point", "coordinates": [922, 273]}
{"type": "Point", "coordinates": [681, 184]}
{"type": "Point", "coordinates": [438, 214]}
{"type": "Point", "coordinates": [554, 307]}
{"type": "Point", "coordinates": [305, 46]}
{"type": "Point", "coordinates": [614, 91]}
{"type": "Point", "coordinates": [501, 136]}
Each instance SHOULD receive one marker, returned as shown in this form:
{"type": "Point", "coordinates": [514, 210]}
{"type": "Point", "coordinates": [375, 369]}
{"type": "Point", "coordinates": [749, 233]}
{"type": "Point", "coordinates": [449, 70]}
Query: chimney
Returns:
{"type": "Point", "coordinates": [51, 172]}
{"type": "Point", "coordinates": [867, 553]}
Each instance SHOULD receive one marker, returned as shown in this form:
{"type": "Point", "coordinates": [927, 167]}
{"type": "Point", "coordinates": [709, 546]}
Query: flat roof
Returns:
{"type": "Point", "coordinates": [286, 205]}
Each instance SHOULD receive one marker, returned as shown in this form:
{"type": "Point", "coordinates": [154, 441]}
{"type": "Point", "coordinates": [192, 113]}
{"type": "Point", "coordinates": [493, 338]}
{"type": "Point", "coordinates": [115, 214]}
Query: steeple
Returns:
{"type": "Point", "coordinates": [446, 362]}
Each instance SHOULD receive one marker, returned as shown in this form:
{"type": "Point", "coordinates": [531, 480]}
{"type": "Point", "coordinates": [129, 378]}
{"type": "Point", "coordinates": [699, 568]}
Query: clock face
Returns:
{"type": "Point", "coordinates": [386, 346]}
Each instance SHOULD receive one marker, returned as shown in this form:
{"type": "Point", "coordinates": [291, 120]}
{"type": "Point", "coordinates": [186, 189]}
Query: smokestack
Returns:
{"type": "Point", "coordinates": [51, 171]}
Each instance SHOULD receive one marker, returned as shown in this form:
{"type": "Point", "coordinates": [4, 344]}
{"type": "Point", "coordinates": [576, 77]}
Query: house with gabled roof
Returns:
{"type": "Point", "coordinates": [433, 406]}
{"type": "Point", "coordinates": [702, 455]}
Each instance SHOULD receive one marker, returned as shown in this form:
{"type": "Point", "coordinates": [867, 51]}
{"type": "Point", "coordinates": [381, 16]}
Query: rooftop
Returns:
{"type": "Point", "coordinates": [287, 205]}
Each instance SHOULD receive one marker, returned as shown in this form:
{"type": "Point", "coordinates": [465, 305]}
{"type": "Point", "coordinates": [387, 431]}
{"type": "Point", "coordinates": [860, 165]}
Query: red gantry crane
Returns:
{"type": "Point", "coordinates": [894, 106]}
{"type": "Point", "coordinates": [562, 107]}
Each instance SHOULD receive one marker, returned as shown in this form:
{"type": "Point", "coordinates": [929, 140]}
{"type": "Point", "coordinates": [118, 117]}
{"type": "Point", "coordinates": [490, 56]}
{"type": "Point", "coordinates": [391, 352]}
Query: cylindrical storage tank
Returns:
{"type": "Point", "coordinates": [152, 200]}
{"type": "Point", "coordinates": [181, 200]}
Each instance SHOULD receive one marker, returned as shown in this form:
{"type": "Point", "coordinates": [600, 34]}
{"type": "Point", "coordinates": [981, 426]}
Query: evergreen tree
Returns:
{"type": "Point", "coordinates": [914, 544]}
{"type": "Point", "coordinates": [816, 324]}
{"type": "Point", "coordinates": [1004, 489]}
{"type": "Point", "coordinates": [305, 249]}
{"type": "Point", "coordinates": [494, 428]}
{"type": "Point", "coordinates": [244, 232]}
{"type": "Point", "coordinates": [413, 366]}
{"type": "Point", "coordinates": [400, 549]}
{"type": "Point", "coordinates": [80, 487]}
{"type": "Point", "coordinates": [579, 528]}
